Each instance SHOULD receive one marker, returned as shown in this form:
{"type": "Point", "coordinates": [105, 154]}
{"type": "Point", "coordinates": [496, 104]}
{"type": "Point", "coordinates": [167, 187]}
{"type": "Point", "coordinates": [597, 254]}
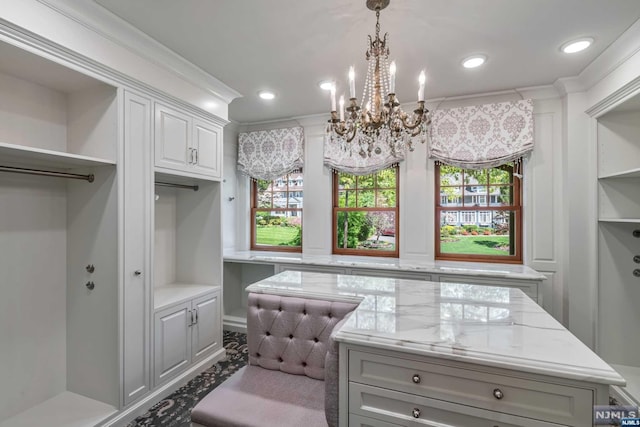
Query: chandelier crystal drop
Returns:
{"type": "Point", "coordinates": [378, 121]}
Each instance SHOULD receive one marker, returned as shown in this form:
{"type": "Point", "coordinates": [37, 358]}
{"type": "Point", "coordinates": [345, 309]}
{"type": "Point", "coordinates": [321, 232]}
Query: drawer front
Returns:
{"type": "Point", "coordinates": [360, 421]}
{"type": "Point", "coordinates": [540, 400]}
{"type": "Point", "coordinates": [392, 274]}
{"type": "Point", "coordinates": [529, 288]}
{"type": "Point", "coordinates": [388, 407]}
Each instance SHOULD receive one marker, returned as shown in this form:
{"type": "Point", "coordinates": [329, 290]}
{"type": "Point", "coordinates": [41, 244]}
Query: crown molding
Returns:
{"type": "Point", "coordinates": [626, 92]}
{"type": "Point", "coordinates": [567, 85]}
{"type": "Point", "coordinates": [96, 18]}
{"type": "Point", "coordinates": [613, 57]}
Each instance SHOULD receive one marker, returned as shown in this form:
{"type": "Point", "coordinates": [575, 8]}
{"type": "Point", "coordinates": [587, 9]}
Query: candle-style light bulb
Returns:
{"type": "Point", "coordinates": [421, 80]}
{"type": "Point", "coordinates": [352, 82]}
{"type": "Point", "coordinates": [342, 108]}
{"type": "Point", "coordinates": [392, 77]}
{"type": "Point", "coordinates": [333, 98]}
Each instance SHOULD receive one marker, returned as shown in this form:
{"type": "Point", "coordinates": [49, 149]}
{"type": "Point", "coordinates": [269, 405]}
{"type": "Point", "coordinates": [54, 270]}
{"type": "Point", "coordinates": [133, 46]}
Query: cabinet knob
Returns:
{"type": "Point", "coordinates": [416, 379]}
{"type": "Point", "coordinates": [497, 393]}
{"type": "Point", "coordinates": [137, 273]}
{"type": "Point", "coordinates": [416, 413]}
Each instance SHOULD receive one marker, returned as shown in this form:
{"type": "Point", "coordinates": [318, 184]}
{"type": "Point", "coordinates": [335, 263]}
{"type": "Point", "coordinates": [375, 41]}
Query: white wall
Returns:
{"type": "Point", "coordinates": [543, 203]}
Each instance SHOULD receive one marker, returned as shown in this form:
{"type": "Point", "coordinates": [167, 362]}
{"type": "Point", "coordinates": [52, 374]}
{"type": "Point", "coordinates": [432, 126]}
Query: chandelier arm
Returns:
{"type": "Point", "coordinates": [408, 125]}
{"type": "Point", "coordinates": [353, 134]}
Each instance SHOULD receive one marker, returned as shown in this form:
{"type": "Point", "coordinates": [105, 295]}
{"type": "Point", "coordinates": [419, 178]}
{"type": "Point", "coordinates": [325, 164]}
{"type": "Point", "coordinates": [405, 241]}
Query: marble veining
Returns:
{"type": "Point", "coordinates": [487, 325]}
{"type": "Point", "coordinates": [511, 271]}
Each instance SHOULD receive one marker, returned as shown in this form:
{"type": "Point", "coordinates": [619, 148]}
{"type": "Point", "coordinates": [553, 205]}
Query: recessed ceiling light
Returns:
{"type": "Point", "coordinates": [474, 61]}
{"type": "Point", "coordinates": [265, 94]}
{"type": "Point", "coordinates": [326, 84]}
{"type": "Point", "coordinates": [577, 45]}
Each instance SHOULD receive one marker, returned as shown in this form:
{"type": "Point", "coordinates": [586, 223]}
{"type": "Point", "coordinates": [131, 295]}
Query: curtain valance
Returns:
{"type": "Point", "coordinates": [269, 154]}
{"type": "Point", "coordinates": [358, 157]}
{"type": "Point", "coordinates": [482, 136]}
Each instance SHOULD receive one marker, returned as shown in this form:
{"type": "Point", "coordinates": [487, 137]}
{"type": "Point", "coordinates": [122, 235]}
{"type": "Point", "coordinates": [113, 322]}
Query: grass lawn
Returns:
{"type": "Point", "coordinates": [275, 235]}
{"type": "Point", "coordinates": [477, 245]}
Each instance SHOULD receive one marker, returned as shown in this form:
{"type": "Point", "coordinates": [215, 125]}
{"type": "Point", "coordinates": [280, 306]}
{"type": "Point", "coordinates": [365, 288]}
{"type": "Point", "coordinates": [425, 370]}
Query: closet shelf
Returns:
{"type": "Point", "coordinates": [65, 409]}
{"type": "Point", "coordinates": [165, 296]}
{"type": "Point", "coordinates": [632, 375]}
{"type": "Point", "coordinates": [631, 173]}
{"type": "Point", "coordinates": [38, 157]}
{"type": "Point", "coordinates": [621, 220]}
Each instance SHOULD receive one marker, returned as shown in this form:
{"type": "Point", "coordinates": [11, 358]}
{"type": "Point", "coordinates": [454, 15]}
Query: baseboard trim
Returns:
{"type": "Point", "coordinates": [138, 408]}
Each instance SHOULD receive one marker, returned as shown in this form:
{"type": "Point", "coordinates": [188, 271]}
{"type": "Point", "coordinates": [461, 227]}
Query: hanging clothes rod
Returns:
{"type": "Point", "coordinates": [168, 184]}
{"type": "Point", "coordinates": [54, 174]}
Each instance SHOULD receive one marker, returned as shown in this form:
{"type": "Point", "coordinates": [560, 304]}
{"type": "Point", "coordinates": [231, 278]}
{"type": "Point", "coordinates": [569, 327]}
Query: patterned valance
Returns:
{"type": "Point", "coordinates": [482, 136]}
{"type": "Point", "coordinates": [269, 154]}
{"type": "Point", "coordinates": [357, 158]}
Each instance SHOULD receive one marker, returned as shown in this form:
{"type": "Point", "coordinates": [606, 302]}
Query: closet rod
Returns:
{"type": "Point", "coordinates": [168, 184]}
{"type": "Point", "coordinates": [26, 171]}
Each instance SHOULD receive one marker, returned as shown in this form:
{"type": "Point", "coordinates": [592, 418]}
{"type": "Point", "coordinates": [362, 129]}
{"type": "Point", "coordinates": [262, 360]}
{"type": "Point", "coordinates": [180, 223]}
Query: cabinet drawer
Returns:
{"type": "Point", "coordinates": [540, 400]}
{"type": "Point", "coordinates": [392, 274]}
{"type": "Point", "coordinates": [388, 407]}
{"type": "Point", "coordinates": [360, 421]}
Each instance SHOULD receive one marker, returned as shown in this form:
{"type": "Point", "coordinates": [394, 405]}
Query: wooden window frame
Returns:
{"type": "Point", "coordinates": [255, 209]}
{"type": "Point", "coordinates": [515, 207]}
{"type": "Point", "coordinates": [334, 222]}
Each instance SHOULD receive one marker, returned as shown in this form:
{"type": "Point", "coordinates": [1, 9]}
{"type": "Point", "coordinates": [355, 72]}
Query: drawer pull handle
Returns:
{"type": "Point", "coordinates": [498, 394]}
{"type": "Point", "coordinates": [416, 379]}
{"type": "Point", "coordinates": [416, 413]}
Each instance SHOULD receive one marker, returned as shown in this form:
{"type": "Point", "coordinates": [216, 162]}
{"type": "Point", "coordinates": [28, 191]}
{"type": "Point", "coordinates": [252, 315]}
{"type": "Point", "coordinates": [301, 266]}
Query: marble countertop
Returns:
{"type": "Point", "coordinates": [510, 271]}
{"type": "Point", "coordinates": [486, 325]}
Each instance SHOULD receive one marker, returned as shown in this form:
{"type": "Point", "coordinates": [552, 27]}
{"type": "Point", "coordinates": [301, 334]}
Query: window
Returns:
{"type": "Point", "coordinates": [276, 214]}
{"type": "Point", "coordinates": [365, 214]}
{"type": "Point", "coordinates": [478, 214]}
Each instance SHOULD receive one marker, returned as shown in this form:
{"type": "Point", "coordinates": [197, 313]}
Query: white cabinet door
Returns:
{"type": "Point", "coordinates": [172, 139]}
{"type": "Point", "coordinates": [207, 144]}
{"type": "Point", "coordinates": [172, 341]}
{"type": "Point", "coordinates": [136, 360]}
{"type": "Point", "coordinates": [206, 331]}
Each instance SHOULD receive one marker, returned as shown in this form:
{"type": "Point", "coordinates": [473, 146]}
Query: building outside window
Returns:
{"type": "Point", "coordinates": [478, 214]}
{"type": "Point", "coordinates": [276, 213]}
{"type": "Point", "coordinates": [366, 213]}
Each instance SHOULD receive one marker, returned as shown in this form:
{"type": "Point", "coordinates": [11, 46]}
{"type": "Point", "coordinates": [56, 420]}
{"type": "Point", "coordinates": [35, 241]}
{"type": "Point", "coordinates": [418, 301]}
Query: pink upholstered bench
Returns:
{"type": "Point", "coordinates": [292, 375]}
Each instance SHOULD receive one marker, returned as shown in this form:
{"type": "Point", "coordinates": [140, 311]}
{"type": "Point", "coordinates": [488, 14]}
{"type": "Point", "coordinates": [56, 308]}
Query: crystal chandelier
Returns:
{"type": "Point", "coordinates": [378, 122]}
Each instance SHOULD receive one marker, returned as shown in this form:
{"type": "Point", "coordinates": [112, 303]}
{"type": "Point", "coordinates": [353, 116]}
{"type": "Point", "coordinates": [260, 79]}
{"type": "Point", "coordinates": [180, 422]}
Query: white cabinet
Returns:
{"type": "Point", "coordinates": [136, 291]}
{"type": "Point", "coordinates": [207, 148]}
{"type": "Point", "coordinates": [618, 143]}
{"type": "Point", "coordinates": [186, 333]}
{"type": "Point", "coordinates": [187, 145]}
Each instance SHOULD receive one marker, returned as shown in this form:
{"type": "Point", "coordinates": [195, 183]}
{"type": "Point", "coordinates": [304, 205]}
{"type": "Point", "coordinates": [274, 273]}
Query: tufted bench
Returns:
{"type": "Point", "coordinates": [291, 353]}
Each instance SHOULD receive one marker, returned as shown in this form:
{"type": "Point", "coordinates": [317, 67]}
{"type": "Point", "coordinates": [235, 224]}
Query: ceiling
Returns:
{"type": "Point", "coordinates": [288, 46]}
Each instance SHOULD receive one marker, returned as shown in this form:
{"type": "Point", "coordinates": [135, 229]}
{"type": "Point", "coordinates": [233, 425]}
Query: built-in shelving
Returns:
{"type": "Point", "coordinates": [632, 375]}
{"type": "Point", "coordinates": [618, 133]}
{"type": "Point", "coordinates": [63, 410]}
{"type": "Point", "coordinates": [630, 173]}
{"type": "Point", "coordinates": [39, 157]}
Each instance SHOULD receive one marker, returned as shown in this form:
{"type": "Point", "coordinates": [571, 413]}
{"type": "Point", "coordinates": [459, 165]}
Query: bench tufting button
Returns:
{"type": "Point", "coordinates": [280, 359]}
{"type": "Point", "coordinates": [267, 333]}
{"type": "Point", "coordinates": [279, 308]}
{"type": "Point", "coordinates": [257, 354]}
{"type": "Point", "coordinates": [304, 364]}
{"type": "Point", "coordinates": [315, 340]}
{"type": "Point", "coordinates": [290, 336]}
{"type": "Point", "coordinates": [304, 312]}
{"type": "Point", "coordinates": [330, 315]}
